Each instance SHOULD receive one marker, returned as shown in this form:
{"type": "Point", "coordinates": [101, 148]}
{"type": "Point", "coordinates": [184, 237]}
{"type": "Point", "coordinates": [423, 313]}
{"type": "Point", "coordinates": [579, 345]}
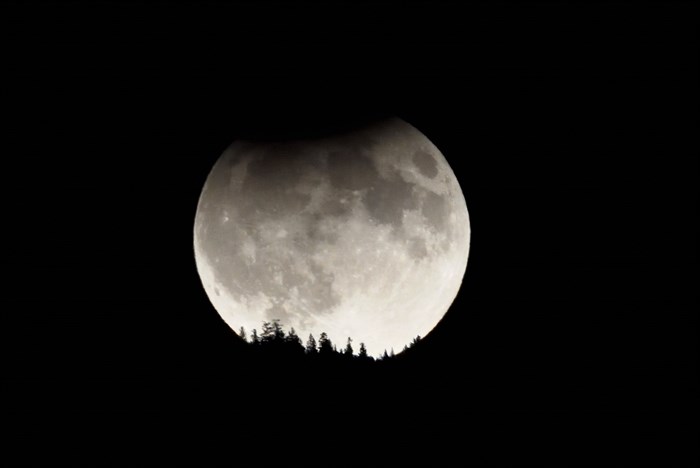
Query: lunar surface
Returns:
{"type": "Point", "coordinates": [362, 235]}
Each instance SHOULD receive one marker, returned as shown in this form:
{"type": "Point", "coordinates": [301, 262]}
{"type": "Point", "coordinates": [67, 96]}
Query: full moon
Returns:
{"type": "Point", "coordinates": [363, 235]}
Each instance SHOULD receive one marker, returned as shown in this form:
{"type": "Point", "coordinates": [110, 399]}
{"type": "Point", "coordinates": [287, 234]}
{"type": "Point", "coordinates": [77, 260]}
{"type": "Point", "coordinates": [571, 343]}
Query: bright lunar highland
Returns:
{"type": "Point", "coordinates": [362, 235]}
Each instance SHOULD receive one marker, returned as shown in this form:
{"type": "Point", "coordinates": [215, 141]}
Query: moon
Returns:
{"type": "Point", "coordinates": [363, 234]}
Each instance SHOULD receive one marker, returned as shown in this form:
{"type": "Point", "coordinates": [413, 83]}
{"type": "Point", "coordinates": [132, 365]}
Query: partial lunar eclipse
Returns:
{"type": "Point", "coordinates": [362, 235]}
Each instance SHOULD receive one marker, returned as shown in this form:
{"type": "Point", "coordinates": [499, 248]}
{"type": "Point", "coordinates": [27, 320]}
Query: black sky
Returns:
{"type": "Point", "coordinates": [569, 126]}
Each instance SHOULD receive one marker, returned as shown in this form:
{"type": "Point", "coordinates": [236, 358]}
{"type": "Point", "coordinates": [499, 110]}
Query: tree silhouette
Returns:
{"type": "Point", "coordinates": [272, 332]}
{"type": "Point", "coordinates": [278, 330]}
{"type": "Point", "coordinates": [274, 342]}
{"type": "Point", "coordinates": [292, 337]}
{"type": "Point", "coordinates": [363, 352]}
{"type": "Point", "coordinates": [325, 347]}
{"type": "Point", "coordinates": [293, 342]}
{"type": "Point", "coordinates": [268, 333]}
{"type": "Point", "coordinates": [311, 345]}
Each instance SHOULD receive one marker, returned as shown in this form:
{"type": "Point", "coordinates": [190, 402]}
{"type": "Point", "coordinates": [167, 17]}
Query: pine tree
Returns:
{"type": "Point", "coordinates": [348, 348]}
{"type": "Point", "coordinates": [272, 332]}
{"type": "Point", "coordinates": [242, 334]}
{"type": "Point", "coordinates": [311, 345]}
{"type": "Point", "coordinates": [278, 330]}
{"type": "Point", "coordinates": [363, 351]}
{"type": "Point", "coordinates": [292, 342]}
{"type": "Point", "coordinates": [325, 347]}
{"type": "Point", "coordinates": [292, 337]}
{"type": "Point", "coordinates": [254, 339]}
{"type": "Point", "coordinates": [268, 333]}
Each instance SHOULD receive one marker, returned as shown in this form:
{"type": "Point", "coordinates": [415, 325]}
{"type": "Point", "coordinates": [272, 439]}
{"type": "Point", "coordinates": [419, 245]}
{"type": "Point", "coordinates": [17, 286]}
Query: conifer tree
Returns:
{"type": "Point", "coordinates": [348, 348]}
{"type": "Point", "coordinates": [363, 351]}
{"type": "Point", "coordinates": [311, 345]}
{"type": "Point", "coordinates": [325, 347]}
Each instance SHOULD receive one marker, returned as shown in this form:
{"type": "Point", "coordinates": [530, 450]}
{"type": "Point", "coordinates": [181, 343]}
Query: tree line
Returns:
{"type": "Point", "coordinates": [273, 339]}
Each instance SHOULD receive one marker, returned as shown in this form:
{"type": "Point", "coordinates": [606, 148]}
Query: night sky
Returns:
{"type": "Point", "coordinates": [568, 127]}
